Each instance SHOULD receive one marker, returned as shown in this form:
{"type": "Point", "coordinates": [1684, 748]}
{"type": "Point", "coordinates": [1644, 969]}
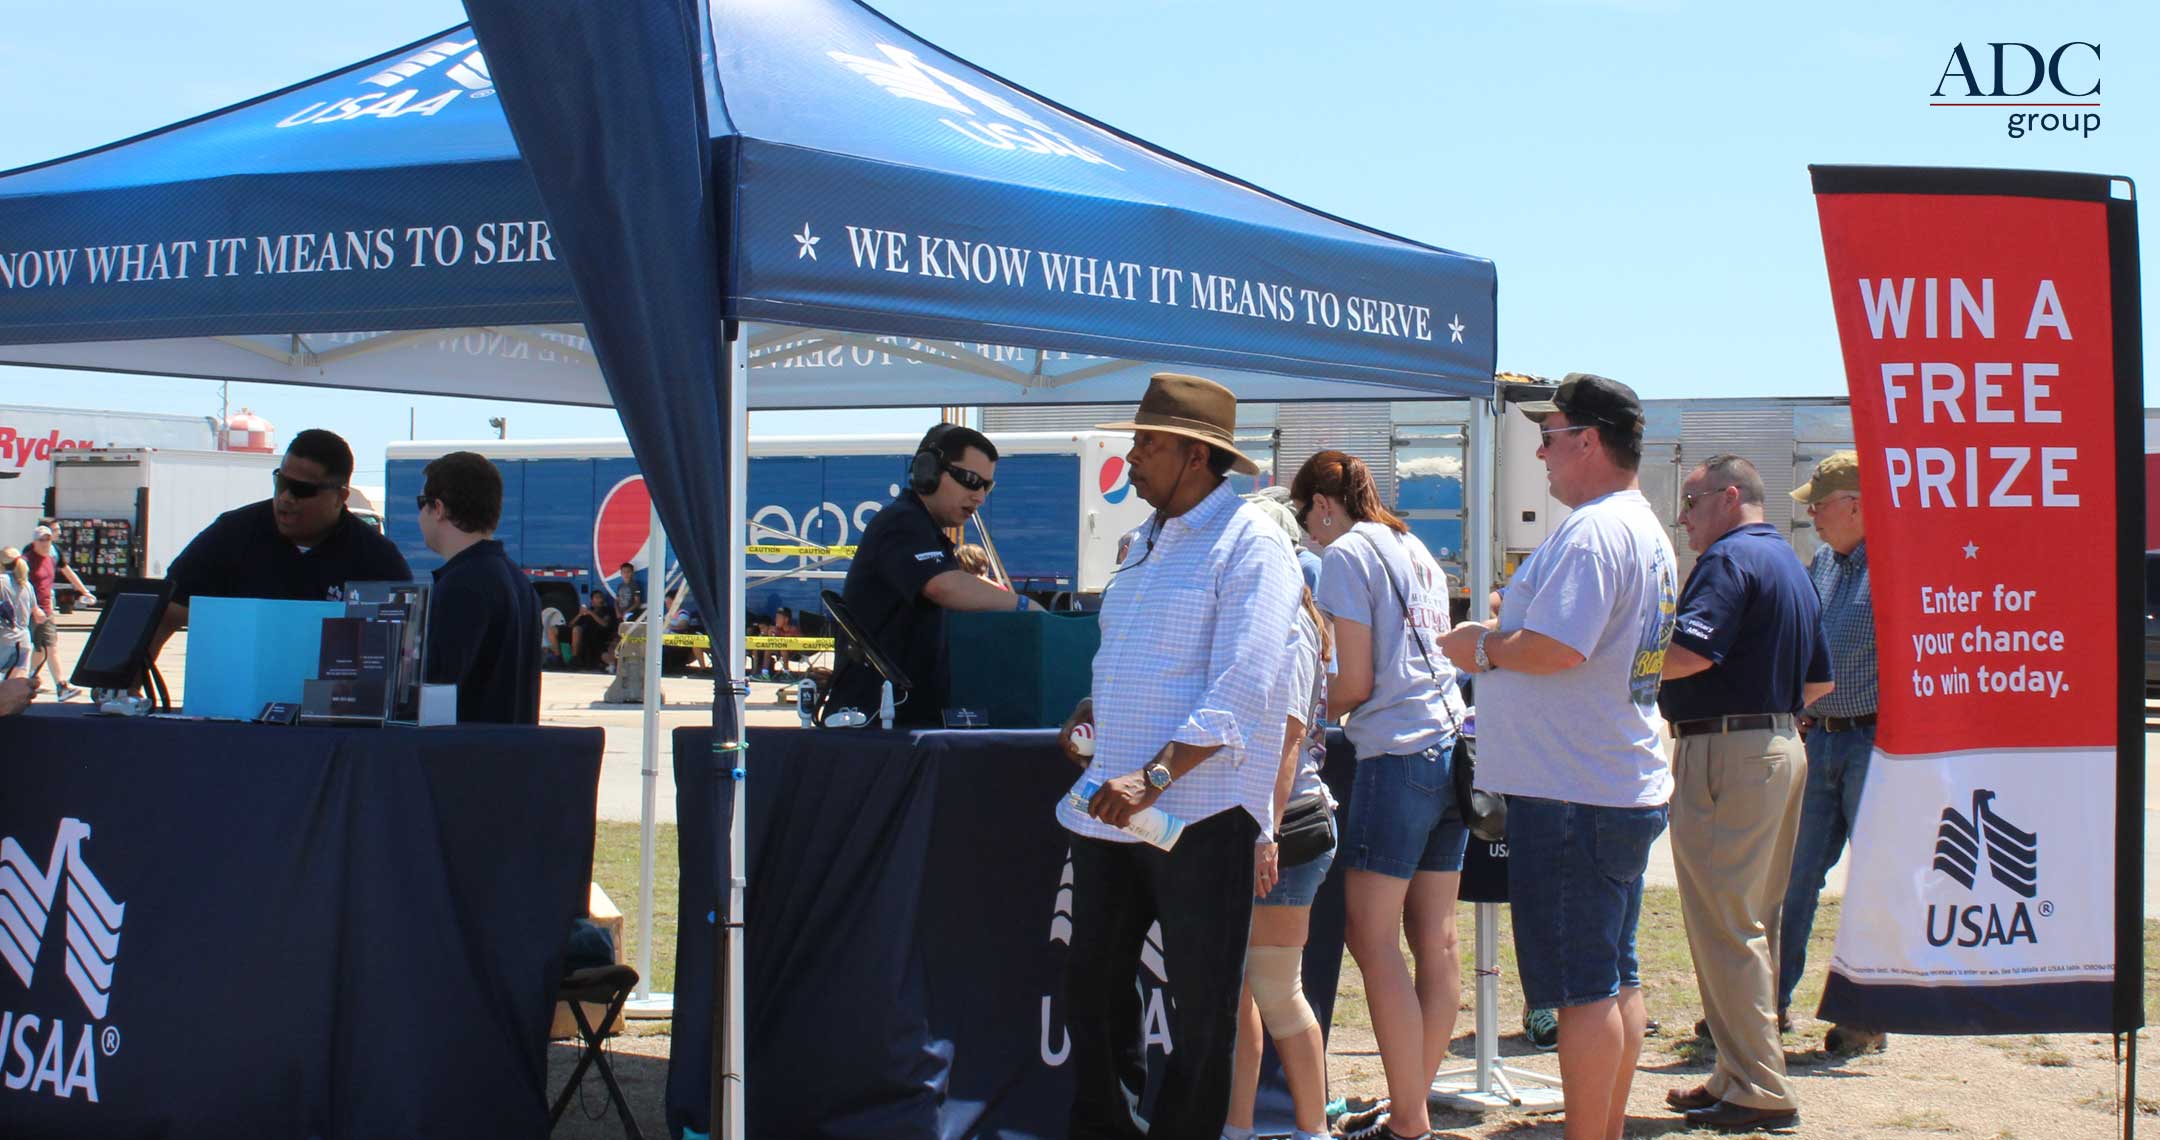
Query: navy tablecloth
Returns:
{"type": "Point", "coordinates": [907, 925]}
{"type": "Point", "coordinates": [219, 929]}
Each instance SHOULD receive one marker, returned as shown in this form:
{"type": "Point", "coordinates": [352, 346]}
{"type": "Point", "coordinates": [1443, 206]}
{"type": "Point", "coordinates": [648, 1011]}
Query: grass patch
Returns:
{"type": "Point", "coordinates": [1927, 1121]}
{"type": "Point", "coordinates": [615, 868]}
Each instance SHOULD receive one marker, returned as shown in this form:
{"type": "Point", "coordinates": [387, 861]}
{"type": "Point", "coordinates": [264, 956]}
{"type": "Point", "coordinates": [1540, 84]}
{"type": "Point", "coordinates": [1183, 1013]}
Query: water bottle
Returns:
{"type": "Point", "coordinates": [884, 704]}
{"type": "Point", "coordinates": [1152, 826]}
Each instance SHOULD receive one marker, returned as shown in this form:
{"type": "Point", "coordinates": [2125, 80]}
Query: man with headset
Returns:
{"type": "Point", "coordinates": [904, 575]}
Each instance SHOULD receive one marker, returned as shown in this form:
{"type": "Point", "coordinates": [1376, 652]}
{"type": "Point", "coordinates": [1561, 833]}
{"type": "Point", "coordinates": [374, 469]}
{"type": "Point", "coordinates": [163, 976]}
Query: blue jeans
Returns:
{"type": "Point", "coordinates": [1836, 773]}
{"type": "Point", "coordinates": [1575, 887]}
{"type": "Point", "coordinates": [1403, 816]}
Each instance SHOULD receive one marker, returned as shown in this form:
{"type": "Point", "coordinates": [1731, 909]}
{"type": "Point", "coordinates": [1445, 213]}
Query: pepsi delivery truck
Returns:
{"type": "Point", "coordinates": [575, 510]}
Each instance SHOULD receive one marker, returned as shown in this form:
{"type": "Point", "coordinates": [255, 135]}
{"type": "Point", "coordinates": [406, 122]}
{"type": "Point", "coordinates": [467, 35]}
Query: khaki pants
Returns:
{"type": "Point", "coordinates": [1735, 813]}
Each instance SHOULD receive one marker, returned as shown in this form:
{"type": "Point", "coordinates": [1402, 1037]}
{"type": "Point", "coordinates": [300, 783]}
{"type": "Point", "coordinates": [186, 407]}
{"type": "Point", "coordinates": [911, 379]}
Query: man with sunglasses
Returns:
{"type": "Point", "coordinates": [301, 544]}
{"type": "Point", "coordinates": [1840, 727]}
{"type": "Point", "coordinates": [905, 575]}
{"type": "Point", "coordinates": [1747, 655]}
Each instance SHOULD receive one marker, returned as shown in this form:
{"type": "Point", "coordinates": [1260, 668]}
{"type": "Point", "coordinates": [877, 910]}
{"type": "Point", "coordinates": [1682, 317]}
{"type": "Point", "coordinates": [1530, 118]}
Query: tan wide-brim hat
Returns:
{"type": "Point", "coordinates": [1191, 407]}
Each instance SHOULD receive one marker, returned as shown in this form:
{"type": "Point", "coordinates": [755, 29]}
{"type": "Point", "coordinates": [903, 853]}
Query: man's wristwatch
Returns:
{"type": "Point", "coordinates": [1157, 773]}
{"type": "Point", "coordinates": [1484, 663]}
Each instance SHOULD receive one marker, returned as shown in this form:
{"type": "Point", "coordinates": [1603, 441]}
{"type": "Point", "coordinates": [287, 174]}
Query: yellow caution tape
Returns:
{"type": "Point", "coordinates": [804, 551]}
{"type": "Point", "coordinates": [701, 641]}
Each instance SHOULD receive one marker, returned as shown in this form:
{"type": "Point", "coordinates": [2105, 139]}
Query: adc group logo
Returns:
{"type": "Point", "coordinates": [1114, 480]}
{"type": "Point", "coordinates": [903, 75]}
{"type": "Point", "coordinates": [34, 1052]}
{"type": "Point", "coordinates": [422, 83]}
{"type": "Point", "coordinates": [1966, 845]}
{"type": "Point", "coordinates": [2050, 89]}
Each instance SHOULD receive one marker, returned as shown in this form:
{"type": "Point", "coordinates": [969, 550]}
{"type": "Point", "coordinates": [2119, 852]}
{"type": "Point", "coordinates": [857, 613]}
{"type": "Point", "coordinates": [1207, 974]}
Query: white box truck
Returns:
{"type": "Point", "coordinates": [127, 512]}
{"type": "Point", "coordinates": [31, 436]}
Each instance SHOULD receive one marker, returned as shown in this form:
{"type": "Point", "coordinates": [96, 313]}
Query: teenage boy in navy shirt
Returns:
{"type": "Point", "coordinates": [483, 617]}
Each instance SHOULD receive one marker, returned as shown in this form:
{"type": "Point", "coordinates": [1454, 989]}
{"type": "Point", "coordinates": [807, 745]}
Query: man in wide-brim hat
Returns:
{"type": "Point", "coordinates": [1194, 624]}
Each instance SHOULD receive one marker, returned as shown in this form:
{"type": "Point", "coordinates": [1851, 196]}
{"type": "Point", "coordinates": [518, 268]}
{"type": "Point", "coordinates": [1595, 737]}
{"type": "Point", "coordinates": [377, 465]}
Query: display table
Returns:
{"type": "Point", "coordinates": [224, 929]}
{"type": "Point", "coordinates": [907, 928]}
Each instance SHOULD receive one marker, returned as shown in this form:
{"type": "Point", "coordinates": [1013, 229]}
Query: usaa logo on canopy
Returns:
{"type": "Point", "coordinates": [420, 84]}
{"type": "Point", "coordinates": [904, 75]}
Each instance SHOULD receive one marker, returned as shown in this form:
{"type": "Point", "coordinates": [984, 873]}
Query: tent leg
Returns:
{"type": "Point", "coordinates": [646, 1004]}
{"type": "Point", "coordinates": [728, 1089]}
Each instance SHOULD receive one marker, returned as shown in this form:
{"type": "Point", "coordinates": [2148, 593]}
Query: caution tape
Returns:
{"type": "Point", "coordinates": [701, 641]}
{"type": "Point", "coordinates": [803, 551]}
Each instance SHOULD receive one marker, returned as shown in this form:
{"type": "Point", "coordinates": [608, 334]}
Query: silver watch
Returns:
{"type": "Point", "coordinates": [1484, 663]}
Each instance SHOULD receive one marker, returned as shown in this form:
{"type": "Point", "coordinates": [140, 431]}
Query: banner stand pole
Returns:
{"type": "Point", "coordinates": [2130, 1100]}
{"type": "Point", "coordinates": [1484, 1085]}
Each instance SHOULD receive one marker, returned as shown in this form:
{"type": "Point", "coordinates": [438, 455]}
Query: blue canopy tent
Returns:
{"type": "Point", "coordinates": [888, 225]}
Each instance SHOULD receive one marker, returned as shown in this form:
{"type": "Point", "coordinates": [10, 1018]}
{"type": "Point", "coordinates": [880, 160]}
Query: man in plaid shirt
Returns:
{"type": "Point", "coordinates": [1840, 727]}
{"type": "Point", "coordinates": [1194, 625]}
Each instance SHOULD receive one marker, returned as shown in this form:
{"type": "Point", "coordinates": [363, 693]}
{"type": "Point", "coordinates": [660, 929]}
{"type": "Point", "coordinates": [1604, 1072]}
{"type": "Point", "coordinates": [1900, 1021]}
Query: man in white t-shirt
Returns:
{"type": "Point", "coordinates": [1567, 692]}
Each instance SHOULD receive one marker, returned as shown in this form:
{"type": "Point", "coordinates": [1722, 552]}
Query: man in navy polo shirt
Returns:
{"type": "Point", "coordinates": [1747, 655]}
{"type": "Point", "coordinates": [482, 613]}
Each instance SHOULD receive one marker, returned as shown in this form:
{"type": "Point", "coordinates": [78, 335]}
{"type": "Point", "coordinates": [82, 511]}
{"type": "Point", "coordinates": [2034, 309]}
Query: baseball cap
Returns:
{"type": "Point", "coordinates": [44, 532]}
{"type": "Point", "coordinates": [1586, 397]}
{"type": "Point", "coordinates": [1839, 471]}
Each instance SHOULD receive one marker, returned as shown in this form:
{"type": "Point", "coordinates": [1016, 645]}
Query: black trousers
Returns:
{"type": "Point", "coordinates": [1202, 894]}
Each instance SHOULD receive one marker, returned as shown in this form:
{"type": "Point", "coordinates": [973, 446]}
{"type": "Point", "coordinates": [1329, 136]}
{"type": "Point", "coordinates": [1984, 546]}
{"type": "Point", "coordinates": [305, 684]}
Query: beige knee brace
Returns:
{"type": "Point", "coordinates": [1276, 974]}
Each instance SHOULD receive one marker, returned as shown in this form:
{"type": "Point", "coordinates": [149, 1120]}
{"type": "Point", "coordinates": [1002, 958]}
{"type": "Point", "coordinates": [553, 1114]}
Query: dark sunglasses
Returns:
{"type": "Point", "coordinates": [300, 488]}
{"type": "Point", "coordinates": [1303, 509]}
{"type": "Point", "coordinates": [420, 502]}
{"type": "Point", "coordinates": [969, 479]}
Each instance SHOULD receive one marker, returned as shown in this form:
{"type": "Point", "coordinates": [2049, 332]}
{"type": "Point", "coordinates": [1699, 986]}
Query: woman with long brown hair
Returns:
{"type": "Point", "coordinates": [1386, 599]}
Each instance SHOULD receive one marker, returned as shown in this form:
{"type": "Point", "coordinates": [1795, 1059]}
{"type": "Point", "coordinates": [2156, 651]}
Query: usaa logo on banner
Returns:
{"type": "Point", "coordinates": [1154, 981]}
{"type": "Point", "coordinates": [419, 84]}
{"type": "Point", "coordinates": [904, 75]}
{"type": "Point", "coordinates": [38, 1052]}
{"type": "Point", "coordinates": [1984, 853]}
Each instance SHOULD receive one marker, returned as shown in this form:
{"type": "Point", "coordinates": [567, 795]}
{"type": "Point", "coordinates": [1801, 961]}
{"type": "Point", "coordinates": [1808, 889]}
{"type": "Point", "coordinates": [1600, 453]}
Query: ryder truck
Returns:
{"type": "Point", "coordinates": [575, 510]}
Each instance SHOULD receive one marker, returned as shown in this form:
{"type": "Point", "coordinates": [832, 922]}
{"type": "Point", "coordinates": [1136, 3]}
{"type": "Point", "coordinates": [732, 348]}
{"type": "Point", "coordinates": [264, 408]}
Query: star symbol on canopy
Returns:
{"type": "Point", "coordinates": [1455, 329]}
{"type": "Point", "coordinates": [807, 244]}
{"type": "Point", "coordinates": [1971, 551]}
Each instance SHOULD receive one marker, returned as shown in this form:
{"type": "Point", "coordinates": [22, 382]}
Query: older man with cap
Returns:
{"type": "Point", "coordinates": [1567, 677]}
{"type": "Point", "coordinates": [1840, 727]}
{"type": "Point", "coordinates": [1747, 655]}
{"type": "Point", "coordinates": [1194, 626]}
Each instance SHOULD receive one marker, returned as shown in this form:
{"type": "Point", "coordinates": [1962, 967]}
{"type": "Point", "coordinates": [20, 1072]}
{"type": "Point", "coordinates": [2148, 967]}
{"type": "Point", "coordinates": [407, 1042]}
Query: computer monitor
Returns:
{"type": "Point", "coordinates": [853, 644]}
{"type": "Point", "coordinates": [119, 650]}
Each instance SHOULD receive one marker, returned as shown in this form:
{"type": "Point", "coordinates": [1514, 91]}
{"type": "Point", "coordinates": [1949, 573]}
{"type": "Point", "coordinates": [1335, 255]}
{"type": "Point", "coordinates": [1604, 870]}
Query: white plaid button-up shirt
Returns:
{"type": "Point", "coordinates": [1193, 631]}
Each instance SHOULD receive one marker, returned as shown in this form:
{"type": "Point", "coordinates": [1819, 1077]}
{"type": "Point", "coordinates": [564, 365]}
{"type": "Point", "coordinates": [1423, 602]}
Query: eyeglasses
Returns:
{"type": "Point", "coordinates": [1687, 502]}
{"type": "Point", "coordinates": [299, 488]}
{"type": "Point", "coordinates": [1301, 510]}
{"type": "Point", "coordinates": [1548, 433]}
{"type": "Point", "coordinates": [969, 479]}
{"type": "Point", "coordinates": [1821, 503]}
{"type": "Point", "coordinates": [420, 502]}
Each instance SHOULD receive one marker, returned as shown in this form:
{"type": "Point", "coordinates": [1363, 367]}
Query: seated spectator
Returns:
{"type": "Point", "coordinates": [592, 634]}
{"type": "Point", "coordinates": [975, 560]}
{"type": "Point", "coordinates": [553, 636]}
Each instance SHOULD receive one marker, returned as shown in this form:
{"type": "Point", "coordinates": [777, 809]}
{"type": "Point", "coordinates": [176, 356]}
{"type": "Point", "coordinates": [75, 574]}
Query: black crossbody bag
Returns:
{"type": "Point", "coordinates": [1485, 813]}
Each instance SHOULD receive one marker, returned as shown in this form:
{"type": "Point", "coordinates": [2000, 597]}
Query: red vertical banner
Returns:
{"type": "Point", "coordinates": [1989, 324]}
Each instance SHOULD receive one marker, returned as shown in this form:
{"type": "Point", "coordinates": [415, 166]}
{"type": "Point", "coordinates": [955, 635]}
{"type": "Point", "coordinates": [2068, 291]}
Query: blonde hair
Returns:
{"type": "Point", "coordinates": [12, 559]}
{"type": "Point", "coordinates": [972, 558]}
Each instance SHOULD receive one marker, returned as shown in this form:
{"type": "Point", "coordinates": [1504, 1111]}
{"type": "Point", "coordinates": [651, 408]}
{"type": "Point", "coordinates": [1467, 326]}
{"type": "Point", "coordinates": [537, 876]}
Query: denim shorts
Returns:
{"type": "Point", "coordinates": [1575, 882]}
{"type": "Point", "coordinates": [1300, 885]}
{"type": "Point", "coordinates": [1403, 817]}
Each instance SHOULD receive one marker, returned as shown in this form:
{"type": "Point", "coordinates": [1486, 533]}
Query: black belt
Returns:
{"type": "Point", "coordinates": [1843, 723]}
{"type": "Point", "coordinates": [1749, 722]}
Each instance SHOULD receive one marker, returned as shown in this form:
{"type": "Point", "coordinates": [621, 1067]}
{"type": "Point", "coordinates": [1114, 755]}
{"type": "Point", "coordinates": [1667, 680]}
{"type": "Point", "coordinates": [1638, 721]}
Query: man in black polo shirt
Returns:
{"type": "Point", "coordinates": [904, 576]}
{"type": "Point", "coordinates": [301, 544]}
{"type": "Point", "coordinates": [483, 616]}
{"type": "Point", "coordinates": [1747, 654]}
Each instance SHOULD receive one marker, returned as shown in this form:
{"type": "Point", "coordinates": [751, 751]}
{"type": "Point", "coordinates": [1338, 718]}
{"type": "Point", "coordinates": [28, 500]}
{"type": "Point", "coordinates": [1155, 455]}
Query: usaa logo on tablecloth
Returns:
{"type": "Point", "coordinates": [904, 75]}
{"type": "Point", "coordinates": [1154, 979]}
{"type": "Point", "coordinates": [420, 84]}
{"type": "Point", "coordinates": [1980, 852]}
{"type": "Point", "coordinates": [35, 1051]}
{"type": "Point", "coordinates": [2047, 89]}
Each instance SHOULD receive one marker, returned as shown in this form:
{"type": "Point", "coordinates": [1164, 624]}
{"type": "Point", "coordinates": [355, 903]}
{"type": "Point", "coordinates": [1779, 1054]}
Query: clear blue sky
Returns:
{"type": "Point", "coordinates": [1636, 168]}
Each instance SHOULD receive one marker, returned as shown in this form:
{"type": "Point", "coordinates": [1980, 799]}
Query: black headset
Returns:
{"type": "Point", "coordinates": [927, 468]}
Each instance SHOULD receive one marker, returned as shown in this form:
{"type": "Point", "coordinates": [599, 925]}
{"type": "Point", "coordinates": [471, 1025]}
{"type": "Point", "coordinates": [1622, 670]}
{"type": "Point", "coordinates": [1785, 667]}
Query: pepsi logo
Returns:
{"type": "Point", "coordinates": [1114, 480]}
{"type": "Point", "coordinates": [621, 527]}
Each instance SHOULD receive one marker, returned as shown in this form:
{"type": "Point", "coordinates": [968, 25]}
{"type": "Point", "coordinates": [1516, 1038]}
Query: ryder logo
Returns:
{"type": "Point", "coordinates": [904, 75]}
{"type": "Point", "coordinates": [412, 86]}
{"type": "Point", "coordinates": [1964, 845]}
